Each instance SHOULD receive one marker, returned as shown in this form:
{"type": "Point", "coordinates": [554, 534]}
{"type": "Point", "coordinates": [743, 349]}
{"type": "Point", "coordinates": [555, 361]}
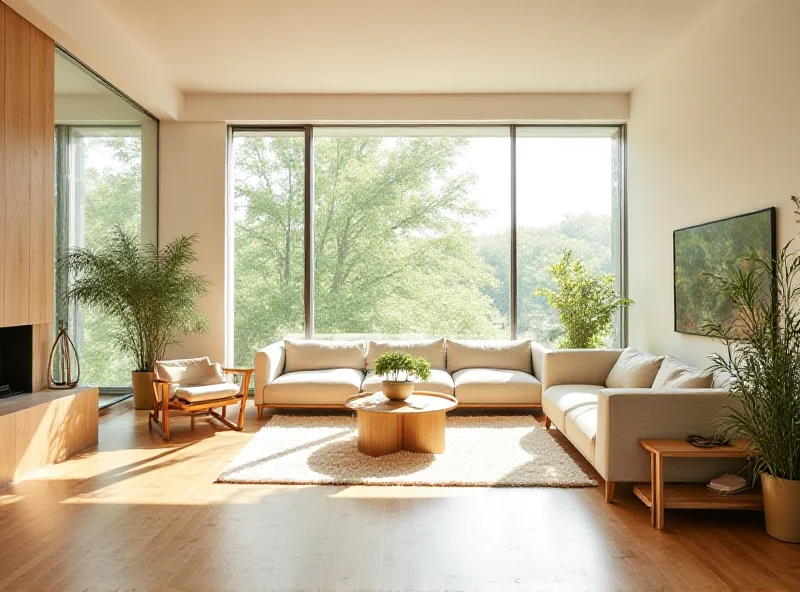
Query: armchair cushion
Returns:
{"type": "Point", "coordinates": [303, 355]}
{"type": "Point", "coordinates": [499, 354]}
{"type": "Point", "coordinates": [489, 386]}
{"type": "Point", "coordinates": [634, 369]}
{"type": "Point", "coordinates": [673, 375]}
{"type": "Point", "coordinates": [439, 382]}
{"type": "Point", "coordinates": [561, 399]}
{"type": "Point", "coordinates": [210, 392]}
{"type": "Point", "coordinates": [189, 372]}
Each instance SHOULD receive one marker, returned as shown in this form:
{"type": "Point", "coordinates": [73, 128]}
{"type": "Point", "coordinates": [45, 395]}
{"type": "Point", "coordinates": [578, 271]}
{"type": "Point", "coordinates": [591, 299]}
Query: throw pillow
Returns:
{"type": "Point", "coordinates": [673, 374]}
{"type": "Point", "coordinates": [498, 355]}
{"type": "Point", "coordinates": [323, 355]}
{"type": "Point", "coordinates": [634, 369]}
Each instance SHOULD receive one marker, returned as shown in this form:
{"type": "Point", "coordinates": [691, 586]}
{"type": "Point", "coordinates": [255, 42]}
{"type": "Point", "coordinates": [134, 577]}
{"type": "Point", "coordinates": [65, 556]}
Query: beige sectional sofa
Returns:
{"type": "Point", "coordinates": [604, 408]}
{"type": "Point", "coordinates": [300, 373]}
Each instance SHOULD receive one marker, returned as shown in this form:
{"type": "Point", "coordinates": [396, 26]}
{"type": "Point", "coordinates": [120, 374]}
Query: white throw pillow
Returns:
{"type": "Point", "coordinates": [430, 349]}
{"type": "Point", "coordinates": [673, 374]}
{"type": "Point", "coordinates": [323, 355]}
{"type": "Point", "coordinates": [634, 369]}
{"type": "Point", "coordinates": [179, 370]}
{"type": "Point", "coordinates": [499, 355]}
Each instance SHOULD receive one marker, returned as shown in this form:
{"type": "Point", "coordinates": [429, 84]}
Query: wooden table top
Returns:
{"type": "Point", "coordinates": [419, 402]}
{"type": "Point", "coordinates": [682, 449]}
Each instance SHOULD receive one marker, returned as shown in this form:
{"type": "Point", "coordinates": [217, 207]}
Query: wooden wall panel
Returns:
{"type": "Point", "coordinates": [48, 89]}
{"type": "Point", "coordinates": [3, 11]}
{"type": "Point", "coordinates": [40, 95]}
{"type": "Point", "coordinates": [17, 169]}
{"type": "Point", "coordinates": [43, 336]}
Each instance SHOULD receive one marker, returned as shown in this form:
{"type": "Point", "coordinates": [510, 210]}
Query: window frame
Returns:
{"type": "Point", "coordinates": [619, 212]}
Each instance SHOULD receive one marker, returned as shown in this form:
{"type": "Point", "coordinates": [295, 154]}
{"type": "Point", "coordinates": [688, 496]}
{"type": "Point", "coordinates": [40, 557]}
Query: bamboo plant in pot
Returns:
{"type": "Point", "coordinates": [762, 357]}
{"type": "Point", "coordinates": [399, 371]}
{"type": "Point", "coordinates": [150, 293]}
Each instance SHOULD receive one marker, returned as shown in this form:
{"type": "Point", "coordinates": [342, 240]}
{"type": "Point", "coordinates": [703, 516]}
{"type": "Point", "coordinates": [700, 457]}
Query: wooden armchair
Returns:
{"type": "Point", "coordinates": [197, 387]}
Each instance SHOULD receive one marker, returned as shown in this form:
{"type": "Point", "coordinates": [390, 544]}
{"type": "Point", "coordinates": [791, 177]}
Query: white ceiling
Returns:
{"type": "Point", "coordinates": [407, 46]}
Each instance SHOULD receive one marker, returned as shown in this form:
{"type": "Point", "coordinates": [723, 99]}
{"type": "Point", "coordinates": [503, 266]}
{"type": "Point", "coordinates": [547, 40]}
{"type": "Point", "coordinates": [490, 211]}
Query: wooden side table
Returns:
{"type": "Point", "coordinates": [658, 496]}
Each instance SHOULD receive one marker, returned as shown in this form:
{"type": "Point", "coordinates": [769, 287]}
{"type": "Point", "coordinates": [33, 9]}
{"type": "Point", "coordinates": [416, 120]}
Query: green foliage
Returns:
{"type": "Point", "coordinates": [396, 253]}
{"type": "Point", "coordinates": [393, 365]}
{"type": "Point", "coordinates": [150, 293]}
{"type": "Point", "coordinates": [762, 358]}
{"type": "Point", "coordinates": [586, 303]}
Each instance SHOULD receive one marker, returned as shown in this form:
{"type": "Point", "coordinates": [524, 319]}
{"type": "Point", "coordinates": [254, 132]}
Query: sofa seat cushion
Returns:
{"type": "Point", "coordinates": [559, 400]}
{"type": "Point", "coordinates": [323, 355]}
{"type": "Point", "coordinates": [210, 392]}
{"type": "Point", "coordinates": [440, 382]}
{"type": "Point", "coordinates": [499, 354]}
{"type": "Point", "coordinates": [430, 349]}
{"type": "Point", "coordinates": [314, 387]}
{"type": "Point", "coordinates": [489, 386]}
{"type": "Point", "coordinates": [581, 429]}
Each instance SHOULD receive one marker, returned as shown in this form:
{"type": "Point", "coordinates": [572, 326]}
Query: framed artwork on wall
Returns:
{"type": "Point", "coordinates": [713, 248]}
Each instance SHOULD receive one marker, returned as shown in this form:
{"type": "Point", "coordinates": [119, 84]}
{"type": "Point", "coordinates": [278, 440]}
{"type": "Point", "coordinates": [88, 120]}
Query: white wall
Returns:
{"type": "Point", "coordinates": [713, 132]}
{"type": "Point", "coordinates": [192, 182]}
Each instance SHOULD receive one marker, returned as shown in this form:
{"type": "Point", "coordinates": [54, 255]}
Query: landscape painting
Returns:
{"type": "Point", "coordinates": [714, 248]}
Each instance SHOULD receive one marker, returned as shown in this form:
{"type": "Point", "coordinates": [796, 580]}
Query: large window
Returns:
{"type": "Point", "coordinates": [410, 229]}
{"type": "Point", "coordinates": [105, 175]}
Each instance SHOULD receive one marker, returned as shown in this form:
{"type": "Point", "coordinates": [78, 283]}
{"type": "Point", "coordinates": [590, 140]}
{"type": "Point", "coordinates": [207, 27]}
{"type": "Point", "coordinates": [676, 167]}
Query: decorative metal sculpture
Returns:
{"type": "Point", "coordinates": [66, 352]}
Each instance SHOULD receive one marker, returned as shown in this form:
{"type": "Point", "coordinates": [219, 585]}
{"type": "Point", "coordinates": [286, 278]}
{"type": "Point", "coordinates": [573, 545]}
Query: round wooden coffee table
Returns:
{"type": "Point", "coordinates": [416, 424]}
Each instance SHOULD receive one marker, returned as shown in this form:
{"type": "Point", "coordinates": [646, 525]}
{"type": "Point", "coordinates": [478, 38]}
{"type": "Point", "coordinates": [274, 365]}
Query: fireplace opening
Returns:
{"type": "Point", "coordinates": [16, 360]}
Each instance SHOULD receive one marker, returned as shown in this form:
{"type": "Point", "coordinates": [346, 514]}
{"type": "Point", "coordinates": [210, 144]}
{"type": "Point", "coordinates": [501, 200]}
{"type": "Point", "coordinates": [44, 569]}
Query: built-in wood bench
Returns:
{"type": "Point", "coordinates": [44, 428]}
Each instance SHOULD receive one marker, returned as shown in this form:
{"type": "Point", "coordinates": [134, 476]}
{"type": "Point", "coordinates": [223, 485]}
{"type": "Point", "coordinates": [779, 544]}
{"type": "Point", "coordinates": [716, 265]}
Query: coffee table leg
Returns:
{"type": "Point", "coordinates": [659, 491]}
{"type": "Point", "coordinates": [424, 432]}
{"type": "Point", "coordinates": [379, 433]}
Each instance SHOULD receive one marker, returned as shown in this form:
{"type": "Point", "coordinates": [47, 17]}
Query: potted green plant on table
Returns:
{"type": "Point", "coordinates": [585, 302]}
{"type": "Point", "coordinates": [150, 293]}
{"type": "Point", "coordinates": [762, 358]}
{"type": "Point", "coordinates": [399, 371]}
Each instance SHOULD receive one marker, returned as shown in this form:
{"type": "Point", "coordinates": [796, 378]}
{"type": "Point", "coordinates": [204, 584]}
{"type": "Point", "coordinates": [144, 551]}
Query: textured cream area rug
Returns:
{"type": "Point", "coordinates": [498, 451]}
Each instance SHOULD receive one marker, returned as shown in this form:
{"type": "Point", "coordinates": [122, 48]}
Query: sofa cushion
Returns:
{"type": "Point", "coordinates": [489, 386]}
{"type": "Point", "coordinates": [440, 382]}
{"type": "Point", "coordinates": [430, 349]}
{"type": "Point", "coordinates": [314, 387]}
{"type": "Point", "coordinates": [674, 374]}
{"type": "Point", "coordinates": [502, 355]}
{"type": "Point", "coordinates": [581, 429]}
{"type": "Point", "coordinates": [559, 400]}
{"type": "Point", "coordinates": [210, 392]}
{"type": "Point", "coordinates": [634, 369]}
{"type": "Point", "coordinates": [323, 355]}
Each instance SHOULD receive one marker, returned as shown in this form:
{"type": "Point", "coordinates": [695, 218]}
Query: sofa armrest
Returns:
{"type": "Point", "coordinates": [269, 363]}
{"type": "Point", "coordinates": [577, 366]}
{"type": "Point", "coordinates": [624, 416]}
{"type": "Point", "coordinates": [537, 359]}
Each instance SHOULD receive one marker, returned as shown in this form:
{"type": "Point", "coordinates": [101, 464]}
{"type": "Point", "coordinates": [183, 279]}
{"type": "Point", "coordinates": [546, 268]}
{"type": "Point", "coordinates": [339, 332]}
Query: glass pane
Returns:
{"type": "Point", "coordinates": [105, 189]}
{"type": "Point", "coordinates": [567, 199]}
{"type": "Point", "coordinates": [411, 232]}
{"type": "Point", "coordinates": [268, 223]}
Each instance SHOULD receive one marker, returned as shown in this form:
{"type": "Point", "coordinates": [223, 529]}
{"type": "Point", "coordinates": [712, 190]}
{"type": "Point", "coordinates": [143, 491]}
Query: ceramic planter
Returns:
{"type": "Point", "coordinates": [397, 391]}
{"type": "Point", "coordinates": [142, 389]}
{"type": "Point", "coordinates": [782, 508]}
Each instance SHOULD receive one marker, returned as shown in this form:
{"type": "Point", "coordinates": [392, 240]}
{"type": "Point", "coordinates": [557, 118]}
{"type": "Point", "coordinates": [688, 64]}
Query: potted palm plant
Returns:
{"type": "Point", "coordinates": [585, 302]}
{"type": "Point", "coordinates": [399, 371]}
{"type": "Point", "coordinates": [762, 357]}
{"type": "Point", "coordinates": [151, 293]}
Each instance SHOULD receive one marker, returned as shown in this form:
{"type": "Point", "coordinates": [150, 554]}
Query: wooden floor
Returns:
{"type": "Point", "coordinates": [138, 514]}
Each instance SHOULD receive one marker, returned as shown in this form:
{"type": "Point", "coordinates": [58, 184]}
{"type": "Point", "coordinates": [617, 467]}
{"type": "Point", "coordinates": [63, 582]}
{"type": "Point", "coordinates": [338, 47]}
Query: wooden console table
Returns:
{"type": "Point", "coordinates": [657, 495]}
{"type": "Point", "coordinates": [44, 428]}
